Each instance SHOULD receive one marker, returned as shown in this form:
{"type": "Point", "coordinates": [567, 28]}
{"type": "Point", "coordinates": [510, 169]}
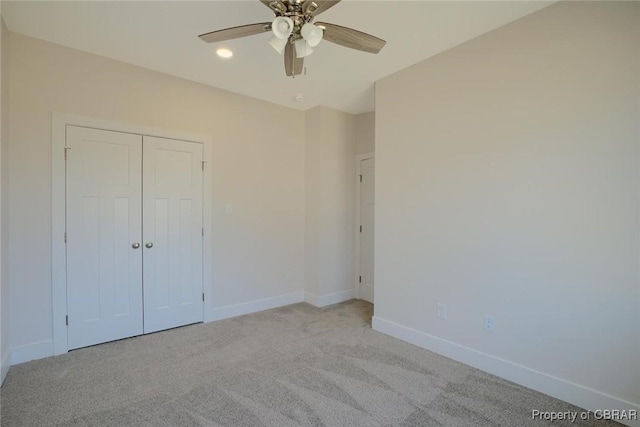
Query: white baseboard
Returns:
{"type": "Point", "coordinates": [329, 299]}
{"type": "Point", "coordinates": [568, 391]}
{"type": "Point", "coordinates": [5, 364]}
{"type": "Point", "coordinates": [43, 349]}
{"type": "Point", "coordinates": [235, 310]}
{"type": "Point", "coordinates": [36, 350]}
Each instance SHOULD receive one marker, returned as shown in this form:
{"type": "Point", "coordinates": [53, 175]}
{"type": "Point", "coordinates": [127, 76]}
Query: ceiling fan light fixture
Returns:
{"type": "Point", "coordinates": [312, 34]}
{"type": "Point", "coordinates": [282, 27]}
{"type": "Point", "coordinates": [302, 48]}
{"type": "Point", "coordinates": [278, 44]}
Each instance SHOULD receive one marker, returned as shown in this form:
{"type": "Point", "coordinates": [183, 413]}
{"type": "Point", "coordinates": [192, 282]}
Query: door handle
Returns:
{"type": "Point", "coordinates": [149, 245]}
{"type": "Point", "coordinates": [135, 245]}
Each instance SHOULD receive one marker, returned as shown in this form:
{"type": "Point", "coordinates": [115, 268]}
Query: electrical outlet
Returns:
{"type": "Point", "coordinates": [443, 311]}
{"type": "Point", "coordinates": [490, 323]}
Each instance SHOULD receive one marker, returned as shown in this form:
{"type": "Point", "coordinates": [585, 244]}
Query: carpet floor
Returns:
{"type": "Point", "coordinates": [290, 366]}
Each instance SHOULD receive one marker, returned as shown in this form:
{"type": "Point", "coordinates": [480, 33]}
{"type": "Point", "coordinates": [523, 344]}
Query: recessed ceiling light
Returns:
{"type": "Point", "coordinates": [299, 97]}
{"type": "Point", "coordinates": [224, 53]}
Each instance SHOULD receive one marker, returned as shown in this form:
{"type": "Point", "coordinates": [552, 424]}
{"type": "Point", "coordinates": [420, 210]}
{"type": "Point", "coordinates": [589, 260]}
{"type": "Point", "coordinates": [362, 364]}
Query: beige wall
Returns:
{"type": "Point", "coordinates": [507, 184]}
{"type": "Point", "coordinates": [365, 133]}
{"type": "Point", "coordinates": [258, 251]}
{"type": "Point", "coordinates": [330, 204]}
{"type": "Point", "coordinates": [4, 223]}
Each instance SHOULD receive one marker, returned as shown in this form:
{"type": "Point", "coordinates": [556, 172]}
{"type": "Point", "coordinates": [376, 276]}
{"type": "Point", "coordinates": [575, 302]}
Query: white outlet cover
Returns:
{"type": "Point", "coordinates": [490, 323]}
{"type": "Point", "coordinates": [443, 311]}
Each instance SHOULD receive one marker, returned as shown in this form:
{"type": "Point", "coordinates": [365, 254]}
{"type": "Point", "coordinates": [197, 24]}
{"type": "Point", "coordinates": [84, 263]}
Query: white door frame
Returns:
{"type": "Point", "coordinates": [59, 122]}
{"type": "Point", "coordinates": [356, 279]}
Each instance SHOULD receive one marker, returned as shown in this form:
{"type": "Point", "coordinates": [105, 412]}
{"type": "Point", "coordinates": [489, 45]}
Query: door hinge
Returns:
{"type": "Point", "coordinates": [203, 162]}
{"type": "Point", "coordinates": [360, 178]}
{"type": "Point", "coordinates": [65, 152]}
{"type": "Point", "coordinates": [202, 231]}
{"type": "Point", "coordinates": [65, 237]}
{"type": "Point", "coordinates": [360, 279]}
{"type": "Point", "coordinates": [361, 229]}
{"type": "Point", "coordinates": [66, 319]}
{"type": "Point", "coordinates": [203, 297]}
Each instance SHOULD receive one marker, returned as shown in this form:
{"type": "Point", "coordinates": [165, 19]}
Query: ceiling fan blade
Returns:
{"type": "Point", "coordinates": [292, 65]}
{"type": "Point", "coordinates": [322, 6]}
{"type": "Point", "coordinates": [354, 39]}
{"type": "Point", "coordinates": [235, 32]}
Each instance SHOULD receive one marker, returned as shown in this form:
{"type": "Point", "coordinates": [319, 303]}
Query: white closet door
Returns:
{"type": "Point", "coordinates": [367, 170]}
{"type": "Point", "coordinates": [172, 217]}
{"type": "Point", "coordinates": [104, 271]}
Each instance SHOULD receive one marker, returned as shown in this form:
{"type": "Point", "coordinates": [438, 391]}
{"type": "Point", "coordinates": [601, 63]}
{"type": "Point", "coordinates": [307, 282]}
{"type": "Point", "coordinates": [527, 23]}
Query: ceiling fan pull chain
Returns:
{"type": "Point", "coordinates": [293, 58]}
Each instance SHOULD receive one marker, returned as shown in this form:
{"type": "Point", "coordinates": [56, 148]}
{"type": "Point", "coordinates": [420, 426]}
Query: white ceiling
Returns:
{"type": "Point", "coordinates": [162, 36]}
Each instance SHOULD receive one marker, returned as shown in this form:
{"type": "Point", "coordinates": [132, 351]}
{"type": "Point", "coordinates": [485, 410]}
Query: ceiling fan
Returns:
{"type": "Point", "coordinates": [296, 35]}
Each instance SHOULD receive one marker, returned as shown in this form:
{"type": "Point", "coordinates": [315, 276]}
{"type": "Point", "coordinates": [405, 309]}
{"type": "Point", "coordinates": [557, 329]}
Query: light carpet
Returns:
{"type": "Point", "coordinates": [290, 366]}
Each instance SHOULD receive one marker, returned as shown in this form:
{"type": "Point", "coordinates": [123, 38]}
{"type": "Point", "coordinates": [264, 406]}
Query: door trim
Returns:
{"type": "Point", "coordinates": [59, 123]}
{"type": "Point", "coordinates": [356, 269]}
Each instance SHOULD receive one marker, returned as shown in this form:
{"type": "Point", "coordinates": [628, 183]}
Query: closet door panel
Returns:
{"type": "Point", "coordinates": [172, 227]}
{"type": "Point", "coordinates": [104, 220]}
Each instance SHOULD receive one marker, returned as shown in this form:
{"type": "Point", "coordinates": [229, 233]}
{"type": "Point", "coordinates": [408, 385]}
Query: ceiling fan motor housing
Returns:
{"type": "Point", "coordinates": [300, 11]}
